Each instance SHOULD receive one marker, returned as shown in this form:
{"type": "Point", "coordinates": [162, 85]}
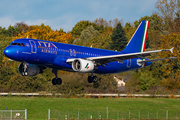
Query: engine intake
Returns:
{"type": "Point", "coordinates": [81, 65]}
{"type": "Point", "coordinates": [31, 69]}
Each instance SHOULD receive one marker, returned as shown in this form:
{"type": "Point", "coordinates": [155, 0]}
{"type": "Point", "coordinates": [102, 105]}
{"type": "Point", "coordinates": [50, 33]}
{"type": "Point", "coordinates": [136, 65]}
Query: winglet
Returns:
{"type": "Point", "coordinates": [171, 50]}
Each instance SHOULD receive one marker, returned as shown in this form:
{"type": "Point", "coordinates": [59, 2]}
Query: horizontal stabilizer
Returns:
{"type": "Point", "coordinates": [156, 60]}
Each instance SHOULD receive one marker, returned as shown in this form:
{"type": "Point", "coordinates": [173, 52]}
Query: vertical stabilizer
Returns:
{"type": "Point", "coordinates": [138, 40]}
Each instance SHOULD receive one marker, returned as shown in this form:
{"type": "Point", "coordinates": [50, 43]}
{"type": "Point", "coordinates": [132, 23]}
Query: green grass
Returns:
{"type": "Point", "coordinates": [37, 108]}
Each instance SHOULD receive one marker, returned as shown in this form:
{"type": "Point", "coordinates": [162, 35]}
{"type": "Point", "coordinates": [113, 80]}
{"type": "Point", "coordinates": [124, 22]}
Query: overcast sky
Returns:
{"type": "Point", "coordinates": [66, 13]}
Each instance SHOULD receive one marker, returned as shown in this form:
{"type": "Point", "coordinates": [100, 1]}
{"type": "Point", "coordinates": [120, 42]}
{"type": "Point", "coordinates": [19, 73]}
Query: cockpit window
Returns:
{"type": "Point", "coordinates": [14, 44]}
{"type": "Point", "coordinates": [22, 44]}
{"type": "Point", "coordinates": [19, 44]}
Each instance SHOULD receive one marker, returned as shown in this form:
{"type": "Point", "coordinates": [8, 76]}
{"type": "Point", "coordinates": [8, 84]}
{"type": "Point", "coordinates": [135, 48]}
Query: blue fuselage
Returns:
{"type": "Point", "coordinates": [54, 55]}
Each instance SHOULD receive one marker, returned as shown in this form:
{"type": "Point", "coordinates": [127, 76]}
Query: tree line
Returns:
{"type": "Point", "coordinates": [164, 32]}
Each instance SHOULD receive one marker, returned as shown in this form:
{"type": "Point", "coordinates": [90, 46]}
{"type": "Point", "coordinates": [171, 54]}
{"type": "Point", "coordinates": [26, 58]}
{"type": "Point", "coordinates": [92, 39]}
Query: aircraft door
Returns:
{"type": "Point", "coordinates": [33, 46]}
{"type": "Point", "coordinates": [128, 62]}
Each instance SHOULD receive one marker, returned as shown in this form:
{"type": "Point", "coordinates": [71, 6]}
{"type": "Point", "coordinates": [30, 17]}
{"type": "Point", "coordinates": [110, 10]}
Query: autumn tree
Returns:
{"type": "Point", "coordinates": [100, 21]}
{"type": "Point", "coordinates": [22, 26]}
{"type": "Point", "coordinates": [170, 13]}
{"type": "Point", "coordinates": [86, 34]}
{"type": "Point", "coordinates": [171, 67]}
{"type": "Point", "coordinates": [102, 40]}
{"type": "Point", "coordinates": [111, 23]}
{"type": "Point", "coordinates": [129, 29]}
{"type": "Point", "coordinates": [80, 26]}
{"type": "Point", "coordinates": [119, 39]}
{"type": "Point", "coordinates": [10, 32]}
{"type": "Point", "coordinates": [45, 33]}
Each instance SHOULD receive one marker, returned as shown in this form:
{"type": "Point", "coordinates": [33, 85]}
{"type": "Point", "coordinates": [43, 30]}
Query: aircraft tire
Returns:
{"type": "Point", "coordinates": [90, 79]}
{"type": "Point", "coordinates": [94, 79]}
{"type": "Point", "coordinates": [59, 81]}
{"type": "Point", "coordinates": [54, 81]}
{"type": "Point", "coordinates": [22, 73]}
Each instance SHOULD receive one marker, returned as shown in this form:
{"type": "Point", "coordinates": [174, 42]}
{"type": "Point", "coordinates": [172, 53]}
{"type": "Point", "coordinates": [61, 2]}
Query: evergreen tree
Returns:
{"type": "Point", "coordinates": [119, 40]}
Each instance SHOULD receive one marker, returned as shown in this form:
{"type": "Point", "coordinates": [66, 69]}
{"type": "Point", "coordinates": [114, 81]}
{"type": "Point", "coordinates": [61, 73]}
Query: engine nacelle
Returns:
{"type": "Point", "coordinates": [81, 65]}
{"type": "Point", "coordinates": [31, 69]}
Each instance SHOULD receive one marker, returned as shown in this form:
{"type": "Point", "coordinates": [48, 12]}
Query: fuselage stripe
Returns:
{"type": "Point", "coordinates": [142, 41]}
{"type": "Point", "coordinates": [145, 36]}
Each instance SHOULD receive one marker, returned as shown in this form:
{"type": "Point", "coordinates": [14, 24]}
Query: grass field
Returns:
{"type": "Point", "coordinates": [37, 108]}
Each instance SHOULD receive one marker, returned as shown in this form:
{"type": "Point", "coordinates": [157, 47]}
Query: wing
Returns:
{"type": "Point", "coordinates": [111, 58]}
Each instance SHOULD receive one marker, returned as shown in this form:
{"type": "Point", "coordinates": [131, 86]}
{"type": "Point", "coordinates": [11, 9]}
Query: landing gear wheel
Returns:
{"type": "Point", "coordinates": [54, 81]}
{"type": "Point", "coordinates": [94, 79]}
{"type": "Point", "coordinates": [59, 81]}
{"type": "Point", "coordinates": [90, 79]}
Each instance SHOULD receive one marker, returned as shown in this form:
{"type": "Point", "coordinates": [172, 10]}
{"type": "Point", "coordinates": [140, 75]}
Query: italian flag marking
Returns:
{"type": "Point", "coordinates": [87, 66]}
{"type": "Point", "coordinates": [144, 38]}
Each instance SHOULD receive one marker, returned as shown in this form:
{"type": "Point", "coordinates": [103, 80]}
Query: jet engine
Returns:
{"type": "Point", "coordinates": [81, 65]}
{"type": "Point", "coordinates": [28, 69]}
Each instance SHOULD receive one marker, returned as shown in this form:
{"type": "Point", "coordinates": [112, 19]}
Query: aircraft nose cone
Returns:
{"type": "Point", "coordinates": [6, 51]}
{"type": "Point", "coordinates": [9, 52]}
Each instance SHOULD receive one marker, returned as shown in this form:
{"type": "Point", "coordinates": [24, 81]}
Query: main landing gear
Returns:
{"type": "Point", "coordinates": [92, 78]}
{"type": "Point", "coordinates": [56, 80]}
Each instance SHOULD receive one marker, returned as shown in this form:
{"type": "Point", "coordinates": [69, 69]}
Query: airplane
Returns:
{"type": "Point", "coordinates": [36, 55]}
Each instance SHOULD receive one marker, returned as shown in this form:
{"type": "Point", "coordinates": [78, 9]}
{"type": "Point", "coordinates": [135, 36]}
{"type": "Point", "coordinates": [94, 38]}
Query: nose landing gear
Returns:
{"type": "Point", "coordinates": [56, 80]}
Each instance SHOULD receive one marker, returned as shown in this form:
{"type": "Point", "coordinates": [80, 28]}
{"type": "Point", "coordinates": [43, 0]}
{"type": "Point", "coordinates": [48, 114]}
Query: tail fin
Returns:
{"type": "Point", "coordinates": [138, 40]}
